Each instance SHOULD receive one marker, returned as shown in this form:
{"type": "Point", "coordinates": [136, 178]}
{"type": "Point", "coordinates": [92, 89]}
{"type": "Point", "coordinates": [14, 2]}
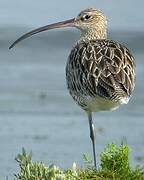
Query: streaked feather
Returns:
{"type": "Point", "coordinates": [101, 68]}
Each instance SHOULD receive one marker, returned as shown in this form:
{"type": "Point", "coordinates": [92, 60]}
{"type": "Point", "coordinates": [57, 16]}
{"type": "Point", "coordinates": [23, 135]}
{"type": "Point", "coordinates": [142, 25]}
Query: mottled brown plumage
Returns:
{"type": "Point", "coordinates": [101, 68]}
{"type": "Point", "coordinates": [100, 73]}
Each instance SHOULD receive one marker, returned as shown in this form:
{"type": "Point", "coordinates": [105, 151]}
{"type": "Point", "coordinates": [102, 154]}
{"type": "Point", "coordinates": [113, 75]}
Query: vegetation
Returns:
{"type": "Point", "coordinates": [114, 165]}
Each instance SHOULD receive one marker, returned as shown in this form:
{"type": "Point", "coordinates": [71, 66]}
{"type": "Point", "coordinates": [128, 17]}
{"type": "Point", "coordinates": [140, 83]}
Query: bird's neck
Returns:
{"type": "Point", "coordinates": [95, 33]}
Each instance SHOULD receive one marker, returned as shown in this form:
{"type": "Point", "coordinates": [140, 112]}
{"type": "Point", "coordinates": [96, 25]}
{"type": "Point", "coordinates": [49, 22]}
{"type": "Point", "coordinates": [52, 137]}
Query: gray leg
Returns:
{"type": "Point", "coordinates": [92, 135]}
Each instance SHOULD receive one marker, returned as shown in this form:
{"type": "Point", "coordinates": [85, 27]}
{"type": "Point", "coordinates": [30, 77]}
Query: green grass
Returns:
{"type": "Point", "coordinates": [114, 165]}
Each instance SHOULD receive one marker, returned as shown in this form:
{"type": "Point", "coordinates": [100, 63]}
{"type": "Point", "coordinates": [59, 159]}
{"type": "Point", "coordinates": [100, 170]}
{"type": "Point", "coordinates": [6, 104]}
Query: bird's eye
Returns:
{"type": "Point", "coordinates": [87, 17]}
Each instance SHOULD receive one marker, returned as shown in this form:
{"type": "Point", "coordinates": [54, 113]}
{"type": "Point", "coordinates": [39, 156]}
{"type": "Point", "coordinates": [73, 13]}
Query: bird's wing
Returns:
{"type": "Point", "coordinates": [104, 68]}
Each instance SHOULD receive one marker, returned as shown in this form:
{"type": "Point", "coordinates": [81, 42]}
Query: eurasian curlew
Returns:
{"type": "Point", "coordinates": [100, 73]}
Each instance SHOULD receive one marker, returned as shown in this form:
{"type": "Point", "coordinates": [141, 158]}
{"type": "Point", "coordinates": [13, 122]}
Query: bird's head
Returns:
{"type": "Point", "coordinates": [91, 22]}
{"type": "Point", "coordinates": [90, 18]}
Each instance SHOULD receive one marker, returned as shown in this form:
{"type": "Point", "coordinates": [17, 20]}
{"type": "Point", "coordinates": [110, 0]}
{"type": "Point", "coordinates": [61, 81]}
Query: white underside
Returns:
{"type": "Point", "coordinates": [101, 104]}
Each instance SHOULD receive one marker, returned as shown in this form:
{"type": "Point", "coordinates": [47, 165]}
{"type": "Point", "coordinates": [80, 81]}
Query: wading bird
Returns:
{"type": "Point", "coordinates": [100, 73]}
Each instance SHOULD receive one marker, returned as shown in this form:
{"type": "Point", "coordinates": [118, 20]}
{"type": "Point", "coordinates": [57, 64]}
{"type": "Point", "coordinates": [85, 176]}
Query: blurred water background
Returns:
{"type": "Point", "coordinates": [36, 111]}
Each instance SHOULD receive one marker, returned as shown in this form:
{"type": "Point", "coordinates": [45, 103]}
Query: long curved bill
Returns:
{"type": "Point", "coordinates": [67, 23]}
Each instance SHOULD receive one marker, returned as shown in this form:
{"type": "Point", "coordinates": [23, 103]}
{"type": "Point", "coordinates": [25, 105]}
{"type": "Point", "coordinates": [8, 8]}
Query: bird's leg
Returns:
{"type": "Point", "coordinates": [92, 136]}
